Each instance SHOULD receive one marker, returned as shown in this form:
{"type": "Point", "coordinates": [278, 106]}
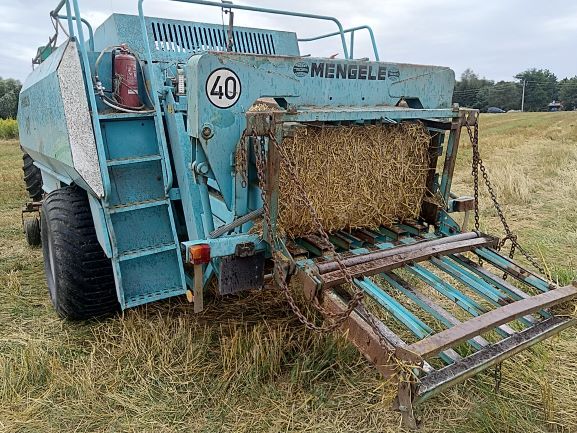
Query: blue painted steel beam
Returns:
{"type": "Point", "coordinates": [450, 292]}
{"type": "Point", "coordinates": [435, 312]}
{"type": "Point", "coordinates": [419, 328]}
{"type": "Point", "coordinates": [391, 114]}
{"type": "Point", "coordinates": [509, 266]}
{"type": "Point", "coordinates": [505, 286]}
{"type": "Point", "coordinates": [488, 292]}
{"type": "Point", "coordinates": [484, 290]}
{"type": "Point", "coordinates": [444, 288]}
{"type": "Point", "coordinates": [413, 323]}
{"type": "Point", "coordinates": [225, 245]}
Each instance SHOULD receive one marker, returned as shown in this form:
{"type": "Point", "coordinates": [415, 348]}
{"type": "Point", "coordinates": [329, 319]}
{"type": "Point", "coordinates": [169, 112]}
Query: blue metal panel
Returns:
{"type": "Point", "coordinates": [183, 155]}
{"type": "Point", "coordinates": [128, 136]}
{"type": "Point", "coordinates": [153, 228]}
{"type": "Point", "coordinates": [150, 278]}
{"type": "Point", "coordinates": [322, 93]}
{"type": "Point", "coordinates": [175, 40]}
{"type": "Point", "coordinates": [42, 125]}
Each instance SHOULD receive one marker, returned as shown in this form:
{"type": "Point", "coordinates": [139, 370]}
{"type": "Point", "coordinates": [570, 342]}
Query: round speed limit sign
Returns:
{"type": "Point", "coordinates": [223, 88]}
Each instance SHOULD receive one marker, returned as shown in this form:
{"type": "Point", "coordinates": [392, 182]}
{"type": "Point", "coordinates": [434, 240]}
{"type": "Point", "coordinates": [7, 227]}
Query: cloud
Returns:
{"type": "Point", "coordinates": [496, 38]}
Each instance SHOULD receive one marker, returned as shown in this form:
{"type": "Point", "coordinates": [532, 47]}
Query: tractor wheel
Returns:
{"type": "Point", "coordinates": [32, 231]}
{"type": "Point", "coordinates": [79, 275]}
{"type": "Point", "coordinates": [32, 178]}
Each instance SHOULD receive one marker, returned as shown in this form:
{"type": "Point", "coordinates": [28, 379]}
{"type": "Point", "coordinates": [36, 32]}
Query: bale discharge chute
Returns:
{"type": "Point", "coordinates": [181, 153]}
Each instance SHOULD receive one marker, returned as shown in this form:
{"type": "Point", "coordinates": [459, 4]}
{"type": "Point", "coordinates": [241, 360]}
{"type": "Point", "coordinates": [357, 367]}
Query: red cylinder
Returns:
{"type": "Point", "coordinates": [126, 79]}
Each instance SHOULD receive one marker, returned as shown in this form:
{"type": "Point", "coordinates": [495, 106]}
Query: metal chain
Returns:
{"type": "Point", "coordinates": [336, 319]}
{"type": "Point", "coordinates": [498, 376]}
{"type": "Point", "coordinates": [477, 165]}
{"type": "Point", "coordinates": [241, 161]}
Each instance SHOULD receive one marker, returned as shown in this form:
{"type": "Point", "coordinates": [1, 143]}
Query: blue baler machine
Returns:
{"type": "Point", "coordinates": [149, 200]}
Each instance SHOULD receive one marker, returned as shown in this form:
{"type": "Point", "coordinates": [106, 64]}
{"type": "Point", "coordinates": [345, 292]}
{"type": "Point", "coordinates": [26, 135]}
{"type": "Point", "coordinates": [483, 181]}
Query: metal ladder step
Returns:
{"type": "Point", "coordinates": [134, 160]}
{"type": "Point", "coordinates": [122, 116]}
{"type": "Point", "coordinates": [141, 252]}
{"type": "Point", "coordinates": [133, 301]}
{"type": "Point", "coordinates": [137, 205]}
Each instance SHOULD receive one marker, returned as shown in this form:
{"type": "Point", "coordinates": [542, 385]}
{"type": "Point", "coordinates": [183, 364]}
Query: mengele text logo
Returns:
{"type": "Point", "coordinates": [347, 71]}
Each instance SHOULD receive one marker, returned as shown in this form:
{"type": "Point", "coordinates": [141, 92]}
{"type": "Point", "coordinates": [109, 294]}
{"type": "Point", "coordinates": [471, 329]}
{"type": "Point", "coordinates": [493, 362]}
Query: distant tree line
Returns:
{"type": "Point", "coordinates": [9, 90]}
{"type": "Point", "coordinates": [541, 88]}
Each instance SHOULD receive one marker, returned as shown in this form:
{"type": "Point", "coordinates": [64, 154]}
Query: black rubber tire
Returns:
{"type": "Point", "coordinates": [79, 275]}
{"type": "Point", "coordinates": [32, 178]}
{"type": "Point", "coordinates": [32, 231]}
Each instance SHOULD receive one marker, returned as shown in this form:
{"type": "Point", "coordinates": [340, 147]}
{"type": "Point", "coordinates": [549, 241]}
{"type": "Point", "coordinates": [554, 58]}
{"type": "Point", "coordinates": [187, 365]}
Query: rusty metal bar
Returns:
{"type": "Point", "coordinates": [438, 380]}
{"type": "Point", "coordinates": [361, 334]}
{"type": "Point", "coordinates": [436, 343]}
{"type": "Point", "coordinates": [386, 260]}
{"type": "Point", "coordinates": [392, 232]}
{"type": "Point", "coordinates": [332, 266]}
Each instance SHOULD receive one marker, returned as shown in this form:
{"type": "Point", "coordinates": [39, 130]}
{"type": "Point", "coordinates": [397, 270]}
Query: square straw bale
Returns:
{"type": "Point", "coordinates": [354, 176]}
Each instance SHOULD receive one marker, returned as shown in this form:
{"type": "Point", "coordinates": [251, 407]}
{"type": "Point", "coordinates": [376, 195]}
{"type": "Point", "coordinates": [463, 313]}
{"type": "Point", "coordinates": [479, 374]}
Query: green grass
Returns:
{"type": "Point", "coordinates": [8, 129]}
{"type": "Point", "coordinates": [246, 364]}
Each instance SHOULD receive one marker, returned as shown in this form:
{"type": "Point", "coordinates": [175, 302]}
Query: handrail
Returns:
{"type": "Point", "coordinates": [155, 101]}
{"type": "Point", "coordinates": [57, 9]}
{"type": "Point", "coordinates": [86, 23]}
{"type": "Point", "coordinates": [263, 10]}
{"type": "Point", "coordinates": [352, 31]}
{"type": "Point", "coordinates": [52, 40]}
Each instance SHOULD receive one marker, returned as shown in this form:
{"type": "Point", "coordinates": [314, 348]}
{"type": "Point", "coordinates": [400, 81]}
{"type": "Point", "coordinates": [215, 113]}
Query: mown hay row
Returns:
{"type": "Point", "coordinates": [354, 176]}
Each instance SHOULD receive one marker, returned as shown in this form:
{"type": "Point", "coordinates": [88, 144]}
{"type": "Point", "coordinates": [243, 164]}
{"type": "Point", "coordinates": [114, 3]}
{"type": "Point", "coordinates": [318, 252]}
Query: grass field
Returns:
{"type": "Point", "coordinates": [247, 365]}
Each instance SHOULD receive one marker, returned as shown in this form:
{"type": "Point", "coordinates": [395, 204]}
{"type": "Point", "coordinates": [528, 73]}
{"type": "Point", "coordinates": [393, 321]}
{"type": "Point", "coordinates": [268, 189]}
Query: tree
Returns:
{"type": "Point", "coordinates": [471, 91]}
{"type": "Point", "coordinates": [505, 95]}
{"type": "Point", "coordinates": [568, 93]}
{"type": "Point", "coordinates": [9, 90]}
{"type": "Point", "coordinates": [540, 88]}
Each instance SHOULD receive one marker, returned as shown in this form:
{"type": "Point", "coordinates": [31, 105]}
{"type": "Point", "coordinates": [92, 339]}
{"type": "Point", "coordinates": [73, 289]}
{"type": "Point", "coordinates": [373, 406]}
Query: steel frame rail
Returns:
{"type": "Point", "coordinates": [222, 5]}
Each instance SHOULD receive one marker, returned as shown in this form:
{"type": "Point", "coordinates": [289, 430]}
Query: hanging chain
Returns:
{"type": "Point", "coordinates": [498, 376]}
{"type": "Point", "coordinates": [479, 165]}
{"type": "Point", "coordinates": [335, 319]}
{"type": "Point", "coordinates": [241, 161]}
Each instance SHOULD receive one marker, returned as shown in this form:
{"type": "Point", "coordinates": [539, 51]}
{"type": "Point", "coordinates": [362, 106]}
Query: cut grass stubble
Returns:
{"type": "Point", "coordinates": [246, 364]}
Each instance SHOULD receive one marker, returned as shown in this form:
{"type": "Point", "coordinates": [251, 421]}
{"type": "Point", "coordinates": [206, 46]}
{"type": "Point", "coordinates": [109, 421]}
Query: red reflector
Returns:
{"type": "Point", "coordinates": [199, 254]}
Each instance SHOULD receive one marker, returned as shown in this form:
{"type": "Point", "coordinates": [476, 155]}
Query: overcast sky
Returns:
{"type": "Point", "coordinates": [496, 38]}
